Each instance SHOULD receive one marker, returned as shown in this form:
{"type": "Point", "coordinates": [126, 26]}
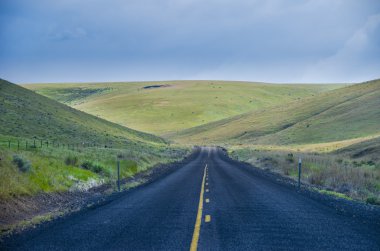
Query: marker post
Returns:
{"type": "Point", "coordinates": [299, 172]}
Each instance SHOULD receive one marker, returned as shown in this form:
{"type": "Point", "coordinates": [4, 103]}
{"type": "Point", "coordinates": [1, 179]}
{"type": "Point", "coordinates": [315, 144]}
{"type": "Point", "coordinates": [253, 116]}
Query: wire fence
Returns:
{"type": "Point", "coordinates": [39, 143]}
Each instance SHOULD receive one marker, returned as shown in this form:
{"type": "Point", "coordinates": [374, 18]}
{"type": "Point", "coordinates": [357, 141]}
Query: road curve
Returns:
{"type": "Point", "coordinates": [241, 210]}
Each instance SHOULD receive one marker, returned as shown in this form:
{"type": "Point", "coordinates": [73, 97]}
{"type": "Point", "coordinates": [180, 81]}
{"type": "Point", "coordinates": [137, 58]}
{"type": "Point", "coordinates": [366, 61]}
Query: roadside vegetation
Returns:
{"type": "Point", "coordinates": [45, 170]}
{"type": "Point", "coordinates": [346, 172]}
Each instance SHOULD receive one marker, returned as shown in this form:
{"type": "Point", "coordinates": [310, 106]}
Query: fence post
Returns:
{"type": "Point", "coordinates": [9, 144]}
{"type": "Point", "coordinates": [34, 143]}
{"type": "Point", "coordinates": [299, 172]}
{"type": "Point", "coordinates": [18, 144]}
{"type": "Point", "coordinates": [118, 175]}
{"type": "Point", "coordinates": [47, 144]}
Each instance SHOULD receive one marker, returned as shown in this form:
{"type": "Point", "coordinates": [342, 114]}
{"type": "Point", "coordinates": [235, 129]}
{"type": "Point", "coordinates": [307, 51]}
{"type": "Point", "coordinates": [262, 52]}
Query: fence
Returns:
{"type": "Point", "coordinates": [39, 143]}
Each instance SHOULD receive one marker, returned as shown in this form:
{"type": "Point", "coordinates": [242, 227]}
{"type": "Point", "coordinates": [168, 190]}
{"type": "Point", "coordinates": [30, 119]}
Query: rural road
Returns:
{"type": "Point", "coordinates": [241, 209]}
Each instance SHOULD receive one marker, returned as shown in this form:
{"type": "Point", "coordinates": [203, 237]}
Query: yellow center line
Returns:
{"type": "Point", "coordinates": [197, 228]}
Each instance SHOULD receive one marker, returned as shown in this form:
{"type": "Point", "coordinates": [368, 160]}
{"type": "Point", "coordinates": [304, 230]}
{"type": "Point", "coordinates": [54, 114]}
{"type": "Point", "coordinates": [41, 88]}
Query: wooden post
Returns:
{"type": "Point", "coordinates": [34, 143]}
{"type": "Point", "coordinates": [41, 143]}
{"type": "Point", "coordinates": [47, 144]}
{"type": "Point", "coordinates": [299, 172]}
{"type": "Point", "coordinates": [9, 144]}
{"type": "Point", "coordinates": [18, 144]}
{"type": "Point", "coordinates": [118, 175]}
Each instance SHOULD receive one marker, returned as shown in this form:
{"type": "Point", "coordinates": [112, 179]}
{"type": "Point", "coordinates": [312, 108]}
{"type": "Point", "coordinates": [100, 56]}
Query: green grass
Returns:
{"type": "Point", "coordinates": [51, 173]}
{"type": "Point", "coordinates": [345, 113]}
{"type": "Point", "coordinates": [179, 105]}
{"type": "Point", "coordinates": [30, 117]}
{"type": "Point", "coordinates": [332, 193]}
{"type": "Point", "coordinates": [335, 128]}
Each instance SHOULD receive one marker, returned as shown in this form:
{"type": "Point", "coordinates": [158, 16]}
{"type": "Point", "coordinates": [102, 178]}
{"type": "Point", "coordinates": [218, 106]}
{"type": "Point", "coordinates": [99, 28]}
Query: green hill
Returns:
{"type": "Point", "coordinates": [344, 113]}
{"type": "Point", "coordinates": [27, 114]}
{"type": "Point", "coordinates": [82, 150]}
{"type": "Point", "coordinates": [171, 106]}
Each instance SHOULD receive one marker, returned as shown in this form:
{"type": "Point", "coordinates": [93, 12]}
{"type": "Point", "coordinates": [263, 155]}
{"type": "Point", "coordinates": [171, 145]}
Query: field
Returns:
{"type": "Point", "coordinates": [168, 107]}
{"type": "Point", "coordinates": [334, 128]}
{"type": "Point", "coordinates": [46, 146]}
{"type": "Point", "coordinates": [341, 114]}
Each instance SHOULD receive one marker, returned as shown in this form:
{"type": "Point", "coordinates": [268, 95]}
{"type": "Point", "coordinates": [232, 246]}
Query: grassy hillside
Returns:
{"type": "Point", "coordinates": [167, 107]}
{"type": "Point", "coordinates": [27, 114]}
{"type": "Point", "coordinates": [73, 150]}
{"type": "Point", "coordinates": [369, 149]}
{"type": "Point", "coordinates": [345, 113]}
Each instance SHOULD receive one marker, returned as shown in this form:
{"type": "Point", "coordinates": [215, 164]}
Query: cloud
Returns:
{"type": "Point", "coordinates": [357, 60]}
{"type": "Point", "coordinates": [266, 40]}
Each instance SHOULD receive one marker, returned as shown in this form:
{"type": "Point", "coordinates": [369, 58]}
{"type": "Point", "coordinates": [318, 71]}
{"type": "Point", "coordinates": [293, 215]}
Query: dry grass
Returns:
{"type": "Point", "coordinates": [356, 178]}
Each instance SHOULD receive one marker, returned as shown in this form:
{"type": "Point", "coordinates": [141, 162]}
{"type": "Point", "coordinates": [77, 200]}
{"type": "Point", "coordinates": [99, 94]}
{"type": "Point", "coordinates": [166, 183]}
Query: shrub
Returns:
{"type": "Point", "coordinates": [22, 164]}
{"type": "Point", "coordinates": [71, 160]}
{"type": "Point", "coordinates": [371, 163]}
{"type": "Point", "coordinates": [373, 200]}
{"type": "Point", "coordinates": [96, 168]}
{"type": "Point", "coordinates": [290, 158]}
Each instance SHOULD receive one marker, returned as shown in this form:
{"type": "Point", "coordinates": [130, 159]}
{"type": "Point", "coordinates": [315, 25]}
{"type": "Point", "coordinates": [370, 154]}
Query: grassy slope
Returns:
{"type": "Point", "coordinates": [30, 115]}
{"type": "Point", "coordinates": [369, 149]}
{"type": "Point", "coordinates": [340, 114]}
{"type": "Point", "coordinates": [26, 115]}
{"type": "Point", "coordinates": [181, 105]}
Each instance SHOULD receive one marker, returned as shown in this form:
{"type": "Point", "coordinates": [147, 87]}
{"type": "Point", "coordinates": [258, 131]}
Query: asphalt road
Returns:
{"type": "Point", "coordinates": [241, 209]}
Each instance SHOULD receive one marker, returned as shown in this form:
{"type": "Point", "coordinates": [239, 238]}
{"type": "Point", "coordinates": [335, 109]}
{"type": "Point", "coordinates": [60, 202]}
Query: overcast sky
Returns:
{"type": "Point", "coordinates": [136, 40]}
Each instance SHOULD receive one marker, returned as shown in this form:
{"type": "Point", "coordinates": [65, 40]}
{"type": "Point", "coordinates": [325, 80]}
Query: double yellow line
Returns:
{"type": "Point", "coordinates": [198, 222]}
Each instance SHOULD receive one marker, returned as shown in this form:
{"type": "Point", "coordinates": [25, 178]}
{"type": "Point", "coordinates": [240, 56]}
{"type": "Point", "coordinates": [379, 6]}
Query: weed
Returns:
{"type": "Point", "coordinates": [22, 164]}
{"type": "Point", "coordinates": [71, 161]}
{"type": "Point", "coordinates": [96, 168]}
{"type": "Point", "coordinates": [290, 157]}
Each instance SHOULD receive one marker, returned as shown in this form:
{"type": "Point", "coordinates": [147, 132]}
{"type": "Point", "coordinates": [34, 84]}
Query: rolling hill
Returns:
{"type": "Point", "coordinates": [171, 106]}
{"type": "Point", "coordinates": [30, 169]}
{"type": "Point", "coordinates": [345, 113]}
{"type": "Point", "coordinates": [27, 114]}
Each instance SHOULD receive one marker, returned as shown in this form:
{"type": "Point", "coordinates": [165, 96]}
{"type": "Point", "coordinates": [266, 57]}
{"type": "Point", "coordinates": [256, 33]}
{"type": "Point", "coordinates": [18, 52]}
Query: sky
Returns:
{"type": "Point", "coordinates": [282, 41]}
